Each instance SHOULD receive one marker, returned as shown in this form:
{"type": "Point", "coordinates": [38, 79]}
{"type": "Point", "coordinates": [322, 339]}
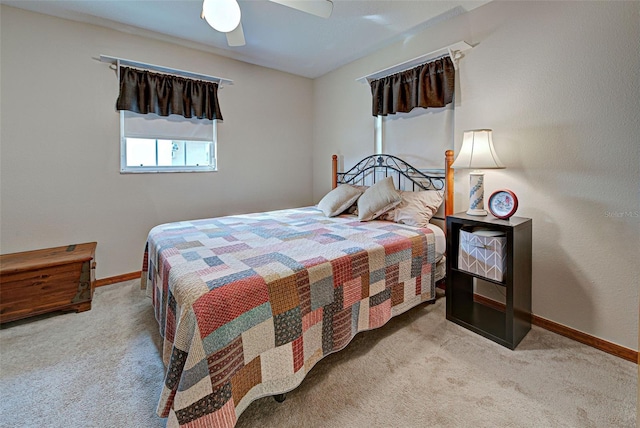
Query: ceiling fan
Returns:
{"type": "Point", "coordinates": [224, 15]}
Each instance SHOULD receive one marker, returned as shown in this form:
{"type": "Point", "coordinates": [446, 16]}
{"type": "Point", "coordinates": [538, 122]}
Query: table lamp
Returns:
{"type": "Point", "coordinates": [477, 153]}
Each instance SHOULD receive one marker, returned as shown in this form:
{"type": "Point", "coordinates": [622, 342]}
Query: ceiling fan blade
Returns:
{"type": "Point", "coordinates": [236, 37]}
{"type": "Point", "coordinates": [321, 8]}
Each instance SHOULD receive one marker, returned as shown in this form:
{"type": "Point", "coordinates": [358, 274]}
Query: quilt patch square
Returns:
{"type": "Point", "coordinates": [364, 286]}
{"type": "Point", "coordinates": [174, 369]}
{"type": "Point", "coordinates": [426, 270]}
{"type": "Point", "coordinates": [228, 332]}
{"type": "Point", "coordinates": [397, 294]}
{"type": "Point", "coordinates": [338, 301]}
{"type": "Point", "coordinates": [225, 363]}
{"type": "Point", "coordinates": [377, 275]}
{"type": "Point", "coordinates": [235, 248]}
{"type": "Point", "coordinates": [363, 315]}
{"type": "Point", "coordinates": [395, 246]}
{"type": "Point", "coordinates": [419, 245]}
{"type": "Point", "coordinates": [283, 294]}
{"type": "Point", "coordinates": [191, 256]}
{"type": "Point", "coordinates": [310, 263]}
{"type": "Point", "coordinates": [416, 266]}
{"type": "Point", "coordinates": [224, 304]}
{"type": "Point", "coordinates": [311, 319]}
{"type": "Point", "coordinates": [341, 328]}
{"type": "Point", "coordinates": [312, 342]}
{"type": "Point", "coordinates": [192, 379]}
{"type": "Point", "coordinates": [225, 416]}
{"type": "Point", "coordinates": [359, 264]}
{"type": "Point", "coordinates": [376, 288]}
{"type": "Point", "coordinates": [312, 360]}
{"type": "Point", "coordinates": [391, 275]}
{"type": "Point", "coordinates": [298, 353]}
{"type": "Point", "coordinates": [246, 378]}
{"type": "Point", "coordinates": [327, 332]}
{"type": "Point", "coordinates": [319, 271]}
{"type": "Point", "coordinates": [210, 273]}
{"type": "Point", "coordinates": [321, 293]}
{"type": "Point", "coordinates": [341, 270]}
{"type": "Point", "coordinates": [206, 405]}
{"type": "Point", "coordinates": [229, 279]}
{"type": "Point", "coordinates": [188, 244]}
{"type": "Point", "coordinates": [258, 339]}
{"type": "Point", "coordinates": [170, 324]}
{"type": "Point", "coordinates": [351, 292]}
{"type": "Point", "coordinates": [379, 314]}
{"type": "Point", "coordinates": [265, 259]}
{"type": "Point", "coordinates": [197, 391]}
{"type": "Point", "coordinates": [213, 261]}
{"type": "Point", "coordinates": [277, 363]}
{"type": "Point", "coordinates": [376, 260]}
{"type": "Point", "coordinates": [409, 289]}
{"type": "Point", "coordinates": [304, 291]}
{"type": "Point", "coordinates": [397, 256]}
{"type": "Point", "coordinates": [380, 297]}
{"type": "Point", "coordinates": [327, 238]}
{"type": "Point", "coordinates": [355, 316]}
{"type": "Point", "coordinates": [287, 326]}
{"type": "Point", "coordinates": [404, 270]}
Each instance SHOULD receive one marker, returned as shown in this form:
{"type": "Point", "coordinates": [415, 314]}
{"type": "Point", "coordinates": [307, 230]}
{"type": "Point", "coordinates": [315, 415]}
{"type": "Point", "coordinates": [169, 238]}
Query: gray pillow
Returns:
{"type": "Point", "coordinates": [415, 208]}
{"type": "Point", "coordinates": [378, 199]}
{"type": "Point", "coordinates": [338, 200]}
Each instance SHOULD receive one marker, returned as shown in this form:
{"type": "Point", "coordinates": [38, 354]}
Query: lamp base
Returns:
{"type": "Point", "coordinates": [476, 194]}
{"type": "Point", "coordinates": [477, 212]}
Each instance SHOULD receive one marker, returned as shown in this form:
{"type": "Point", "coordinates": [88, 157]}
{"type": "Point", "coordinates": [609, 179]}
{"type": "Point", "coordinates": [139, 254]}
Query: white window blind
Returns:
{"type": "Point", "coordinates": [420, 137]}
{"type": "Point", "coordinates": [152, 143]}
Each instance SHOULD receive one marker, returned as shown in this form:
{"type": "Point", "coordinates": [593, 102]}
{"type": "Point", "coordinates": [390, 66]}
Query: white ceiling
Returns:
{"type": "Point", "coordinates": [276, 36]}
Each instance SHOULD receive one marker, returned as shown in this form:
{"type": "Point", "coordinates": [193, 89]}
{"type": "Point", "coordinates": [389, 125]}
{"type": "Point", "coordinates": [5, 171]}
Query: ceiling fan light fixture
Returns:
{"type": "Point", "coordinates": [222, 15]}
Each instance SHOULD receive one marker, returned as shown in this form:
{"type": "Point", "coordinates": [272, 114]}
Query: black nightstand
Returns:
{"type": "Point", "coordinates": [509, 325]}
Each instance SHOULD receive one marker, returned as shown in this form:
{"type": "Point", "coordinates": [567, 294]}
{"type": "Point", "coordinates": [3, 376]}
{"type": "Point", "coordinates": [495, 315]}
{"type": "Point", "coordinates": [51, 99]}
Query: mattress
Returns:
{"type": "Point", "coordinates": [440, 241]}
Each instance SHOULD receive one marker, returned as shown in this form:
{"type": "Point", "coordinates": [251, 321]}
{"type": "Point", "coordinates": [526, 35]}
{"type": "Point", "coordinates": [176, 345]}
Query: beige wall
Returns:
{"type": "Point", "coordinates": [60, 181]}
{"type": "Point", "coordinates": [558, 83]}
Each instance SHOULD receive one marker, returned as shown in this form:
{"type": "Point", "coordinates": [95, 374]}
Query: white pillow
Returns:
{"type": "Point", "coordinates": [378, 199]}
{"type": "Point", "coordinates": [338, 200]}
{"type": "Point", "coordinates": [416, 208]}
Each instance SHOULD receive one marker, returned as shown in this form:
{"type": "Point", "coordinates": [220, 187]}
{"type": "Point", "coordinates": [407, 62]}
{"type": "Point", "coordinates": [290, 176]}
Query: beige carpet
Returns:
{"type": "Point", "coordinates": [102, 368]}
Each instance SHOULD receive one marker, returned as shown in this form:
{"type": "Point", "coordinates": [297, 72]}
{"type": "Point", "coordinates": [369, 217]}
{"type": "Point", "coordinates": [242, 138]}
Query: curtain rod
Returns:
{"type": "Point", "coordinates": [454, 51]}
{"type": "Point", "coordinates": [121, 61]}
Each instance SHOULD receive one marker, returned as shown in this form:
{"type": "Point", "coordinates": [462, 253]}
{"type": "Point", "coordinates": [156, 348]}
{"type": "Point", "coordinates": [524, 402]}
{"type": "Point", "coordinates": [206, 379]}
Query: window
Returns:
{"type": "Point", "coordinates": [152, 143]}
{"type": "Point", "coordinates": [424, 133]}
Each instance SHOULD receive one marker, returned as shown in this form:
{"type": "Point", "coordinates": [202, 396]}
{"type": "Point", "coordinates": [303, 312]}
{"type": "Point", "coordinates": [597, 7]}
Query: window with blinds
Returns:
{"type": "Point", "coordinates": [152, 143]}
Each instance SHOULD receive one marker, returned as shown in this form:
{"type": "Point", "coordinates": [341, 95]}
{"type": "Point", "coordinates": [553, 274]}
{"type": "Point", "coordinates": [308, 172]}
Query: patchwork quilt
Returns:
{"type": "Point", "coordinates": [248, 304]}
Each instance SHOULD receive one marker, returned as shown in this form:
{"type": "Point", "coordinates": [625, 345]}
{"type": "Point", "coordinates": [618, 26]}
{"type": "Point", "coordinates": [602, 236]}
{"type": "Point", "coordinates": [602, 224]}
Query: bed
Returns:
{"type": "Point", "coordinates": [248, 304]}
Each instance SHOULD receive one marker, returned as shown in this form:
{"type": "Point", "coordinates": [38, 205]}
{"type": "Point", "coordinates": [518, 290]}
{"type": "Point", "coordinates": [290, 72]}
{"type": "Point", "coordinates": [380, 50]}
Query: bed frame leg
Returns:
{"type": "Point", "coordinates": [280, 397]}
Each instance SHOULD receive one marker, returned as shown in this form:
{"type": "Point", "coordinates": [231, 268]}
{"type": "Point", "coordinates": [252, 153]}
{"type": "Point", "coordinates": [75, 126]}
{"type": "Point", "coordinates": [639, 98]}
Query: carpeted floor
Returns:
{"type": "Point", "coordinates": [102, 368]}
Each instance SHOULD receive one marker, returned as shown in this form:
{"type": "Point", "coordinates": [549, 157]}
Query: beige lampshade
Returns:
{"type": "Point", "coordinates": [477, 151]}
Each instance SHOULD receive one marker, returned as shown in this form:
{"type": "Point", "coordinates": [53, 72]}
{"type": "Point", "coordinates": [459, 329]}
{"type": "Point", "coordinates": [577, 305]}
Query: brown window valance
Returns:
{"type": "Point", "coordinates": [427, 85]}
{"type": "Point", "coordinates": [143, 92]}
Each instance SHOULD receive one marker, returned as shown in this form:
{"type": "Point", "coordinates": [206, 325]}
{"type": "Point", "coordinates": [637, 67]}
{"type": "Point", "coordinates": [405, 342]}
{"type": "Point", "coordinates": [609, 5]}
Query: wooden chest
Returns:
{"type": "Point", "coordinates": [53, 279]}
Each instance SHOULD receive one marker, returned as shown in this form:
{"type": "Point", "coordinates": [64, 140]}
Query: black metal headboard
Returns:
{"type": "Point", "coordinates": [375, 167]}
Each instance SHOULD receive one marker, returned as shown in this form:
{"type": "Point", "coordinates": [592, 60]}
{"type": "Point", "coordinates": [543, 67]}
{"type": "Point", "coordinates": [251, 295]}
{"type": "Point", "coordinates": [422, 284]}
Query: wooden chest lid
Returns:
{"type": "Point", "coordinates": [47, 257]}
